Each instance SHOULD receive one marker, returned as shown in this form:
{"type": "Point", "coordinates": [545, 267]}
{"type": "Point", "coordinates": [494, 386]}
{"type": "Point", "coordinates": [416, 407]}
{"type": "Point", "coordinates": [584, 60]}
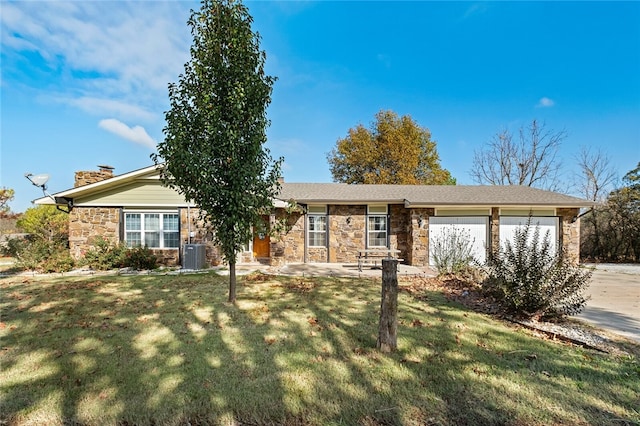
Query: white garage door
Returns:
{"type": "Point", "coordinates": [475, 227]}
{"type": "Point", "coordinates": [509, 224]}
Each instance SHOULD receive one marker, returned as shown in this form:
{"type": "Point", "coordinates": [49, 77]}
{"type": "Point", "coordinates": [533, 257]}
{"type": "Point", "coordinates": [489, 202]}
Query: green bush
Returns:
{"type": "Point", "coordinates": [104, 256]}
{"type": "Point", "coordinates": [12, 246]}
{"type": "Point", "coordinates": [452, 253]}
{"type": "Point", "coordinates": [140, 258]}
{"type": "Point", "coordinates": [58, 261]}
{"type": "Point", "coordinates": [36, 254]}
{"type": "Point", "coordinates": [527, 278]}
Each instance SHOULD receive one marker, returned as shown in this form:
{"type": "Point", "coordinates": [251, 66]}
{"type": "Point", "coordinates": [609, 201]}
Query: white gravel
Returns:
{"type": "Point", "coordinates": [625, 268]}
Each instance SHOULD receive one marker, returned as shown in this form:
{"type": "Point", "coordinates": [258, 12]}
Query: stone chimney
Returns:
{"type": "Point", "coordinates": [92, 176]}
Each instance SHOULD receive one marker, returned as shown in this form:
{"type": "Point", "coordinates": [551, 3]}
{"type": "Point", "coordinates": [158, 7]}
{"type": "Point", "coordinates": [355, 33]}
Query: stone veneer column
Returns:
{"type": "Point", "coordinates": [288, 246]}
{"type": "Point", "coordinates": [494, 233]}
{"type": "Point", "coordinates": [398, 238]}
{"type": "Point", "coordinates": [570, 232]}
{"type": "Point", "coordinates": [418, 237]}
{"type": "Point", "coordinates": [347, 230]}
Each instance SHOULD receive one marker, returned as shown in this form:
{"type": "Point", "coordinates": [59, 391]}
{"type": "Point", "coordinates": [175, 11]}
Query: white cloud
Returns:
{"type": "Point", "coordinates": [135, 134]}
{"type": "Point", "coordinates": [129, 51]}
{"type": "Point", "coordinates": [545, 103]}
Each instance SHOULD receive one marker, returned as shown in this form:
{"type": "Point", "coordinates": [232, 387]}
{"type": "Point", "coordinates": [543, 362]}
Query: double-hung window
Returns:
{"type": "Point", "coordinates": [377, 226]}
{"type": "Point", "coordinates": [152, 230]}
{"type": "Point", "coordinates": [317, 226]}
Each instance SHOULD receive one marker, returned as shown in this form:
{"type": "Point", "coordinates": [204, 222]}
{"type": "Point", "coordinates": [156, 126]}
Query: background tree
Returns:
{"type": "Point", "coordinates": [394, 150]}
{"type": "Point", "coordinates": [611, 231]}
{"type": "Point", "coordinates": [46, 223]}
{"type": "Point", "coordinates": [531, 160]}
{"type": "Point", "coordinates": [7, 218]}
{"type": "Point", "coordinates": [6, 195]}
{"type": "Point", "coordinates": [46, 246]}
{"type": "Point", "coordinates": [216, 128]}
{"type": "Point", "coordinates": [624, 208]}
{"type": "Point", "coordinates": [593, 181]}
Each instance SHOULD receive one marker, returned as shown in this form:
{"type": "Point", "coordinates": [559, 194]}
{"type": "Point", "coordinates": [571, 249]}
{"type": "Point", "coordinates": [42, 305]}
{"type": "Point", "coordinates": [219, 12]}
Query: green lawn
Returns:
{"type": "Point", "coordinates": [161, 349]}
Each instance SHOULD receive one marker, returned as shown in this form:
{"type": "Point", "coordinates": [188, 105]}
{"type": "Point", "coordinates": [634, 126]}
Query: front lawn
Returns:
{"type": "Point", "coordinates": [166, 349]}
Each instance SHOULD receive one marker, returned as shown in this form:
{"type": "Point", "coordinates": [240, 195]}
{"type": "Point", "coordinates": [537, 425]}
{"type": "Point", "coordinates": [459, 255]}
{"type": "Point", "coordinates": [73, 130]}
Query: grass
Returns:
{"type": "Point", "coordinates": [143, 350]}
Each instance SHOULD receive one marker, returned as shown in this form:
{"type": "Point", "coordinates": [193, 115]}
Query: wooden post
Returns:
{"type": "Point", "coordinates": [388, 328]}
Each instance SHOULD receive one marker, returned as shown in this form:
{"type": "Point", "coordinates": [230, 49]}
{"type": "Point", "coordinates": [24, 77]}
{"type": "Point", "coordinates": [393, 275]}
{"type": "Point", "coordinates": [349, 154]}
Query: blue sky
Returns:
{"type": "Point", "coordinates": [85, 83]}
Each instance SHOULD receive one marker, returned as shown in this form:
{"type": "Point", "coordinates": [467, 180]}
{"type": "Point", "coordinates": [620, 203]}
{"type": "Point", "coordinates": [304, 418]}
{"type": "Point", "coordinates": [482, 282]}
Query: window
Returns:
{"type": "Point", "coordinates": [153, 230]}
{"type": "Point", "coordinates": [317, 229]}
{"type": "Point", "coordinates": [377, 226]}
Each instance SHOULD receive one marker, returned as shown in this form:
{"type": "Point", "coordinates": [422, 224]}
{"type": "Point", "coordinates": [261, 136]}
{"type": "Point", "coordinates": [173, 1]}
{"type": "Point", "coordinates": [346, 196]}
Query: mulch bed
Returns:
{"type": "Point", "coordinates": [468, 293]}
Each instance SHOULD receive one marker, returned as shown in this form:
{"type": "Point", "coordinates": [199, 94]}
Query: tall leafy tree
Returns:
{"type": "Point", "coordinates": [393, 150]}
{"type": "Point", "coordinates": [215, 133]}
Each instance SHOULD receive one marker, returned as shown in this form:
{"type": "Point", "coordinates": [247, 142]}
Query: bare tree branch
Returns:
{"type": "Point", "coordinates": [532, 160]}
{"type": "Point", "coordinates": [596, 176]}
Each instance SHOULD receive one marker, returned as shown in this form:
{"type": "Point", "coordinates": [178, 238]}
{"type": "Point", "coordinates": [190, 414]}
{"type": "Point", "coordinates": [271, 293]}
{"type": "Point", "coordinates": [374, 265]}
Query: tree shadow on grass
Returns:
{"type": "Point", "coordinates": [131, 351]}
{"type": "Point", "coordinates": [169, 350]}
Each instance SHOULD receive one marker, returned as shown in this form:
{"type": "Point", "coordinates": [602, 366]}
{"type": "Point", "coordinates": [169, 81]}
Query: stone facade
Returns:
{"type": "Point", "coordinates": [85, 177]}
{"type": "Point", "coordinates": [408, 231]}
{"type": "Point", "coordinates": [347, 233]}
{"type": "Point", "coordinates": [193, 230]}
{"type": "Point", "coordinates": [288, 246]}
{"type": "Point", "coordinates": [86, 224]}
{"type": "Point", "coordinates": [398, 229]}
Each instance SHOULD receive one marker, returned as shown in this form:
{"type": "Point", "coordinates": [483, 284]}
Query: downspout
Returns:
{"type": "Point", "coordinates": [327, 236]}
{"type": "Point", "coordinates": [389, 226]}
{"type": "Point", "coordinates": [188, 224]}
{"type": "Point", "coordinates": [305, 238]}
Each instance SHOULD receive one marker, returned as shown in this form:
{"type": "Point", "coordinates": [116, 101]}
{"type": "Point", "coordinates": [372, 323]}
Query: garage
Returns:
{"type": "Point", "coordinates": [476, 228]}
{"type": "Point", "coordinates": [509, 225]}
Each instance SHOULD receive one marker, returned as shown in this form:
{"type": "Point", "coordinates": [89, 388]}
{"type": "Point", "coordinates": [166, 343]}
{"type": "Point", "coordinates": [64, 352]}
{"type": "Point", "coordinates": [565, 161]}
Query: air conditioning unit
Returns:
{"type": "Point", "coordinates": [194, 256]}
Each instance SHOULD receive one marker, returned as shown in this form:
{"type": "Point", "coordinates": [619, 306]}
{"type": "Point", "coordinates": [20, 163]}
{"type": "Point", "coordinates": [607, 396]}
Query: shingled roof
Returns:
{"type": "Point", "coordinates": [427, 195]}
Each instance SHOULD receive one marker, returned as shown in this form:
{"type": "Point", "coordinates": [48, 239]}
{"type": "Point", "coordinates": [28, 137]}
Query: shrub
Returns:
{"type": "Point", "coordinates": [452, 252]}
{"type": "Point", "coordinates": [529, 278]}
{"type": "Point", "coordinates": [104, 255]}
{"type": "Point", "coordinates": [12, 246]}
{"type": "Point", "coordinates": [40, 255]}
{"type": "Point", "coordinates": [58, 261]}
{"type": "Point", "coordinates": [140, 258]}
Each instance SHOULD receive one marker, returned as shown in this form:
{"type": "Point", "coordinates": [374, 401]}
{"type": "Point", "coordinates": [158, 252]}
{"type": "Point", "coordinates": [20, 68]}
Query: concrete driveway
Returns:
{"type": "Point", "coordinates": [615, 300]}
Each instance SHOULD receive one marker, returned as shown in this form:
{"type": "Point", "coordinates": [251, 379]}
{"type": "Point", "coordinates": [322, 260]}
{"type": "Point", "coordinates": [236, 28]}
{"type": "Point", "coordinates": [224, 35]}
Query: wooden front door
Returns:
{"type": "Point", "coordinates": [261, 246]}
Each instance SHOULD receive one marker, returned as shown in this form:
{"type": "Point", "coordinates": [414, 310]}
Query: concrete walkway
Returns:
{"type": "Point", "coordinates": [615, 300]}
{"type": "Point", "coordinates": [329, 270]}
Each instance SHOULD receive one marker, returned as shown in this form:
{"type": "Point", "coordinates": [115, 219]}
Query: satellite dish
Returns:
{"type": "Point", "coordinates": [38, 180]}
